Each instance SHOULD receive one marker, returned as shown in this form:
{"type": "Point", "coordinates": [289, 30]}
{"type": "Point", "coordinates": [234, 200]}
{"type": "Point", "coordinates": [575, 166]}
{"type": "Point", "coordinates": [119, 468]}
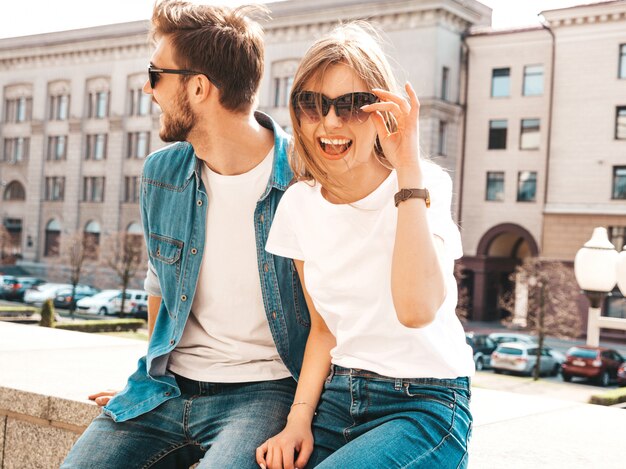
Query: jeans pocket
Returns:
{"type": "Point", "coordinates": [443, 396]}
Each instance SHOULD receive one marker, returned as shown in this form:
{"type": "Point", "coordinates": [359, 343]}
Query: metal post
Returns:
{"type": "Point", "coordinates": [593, 327]}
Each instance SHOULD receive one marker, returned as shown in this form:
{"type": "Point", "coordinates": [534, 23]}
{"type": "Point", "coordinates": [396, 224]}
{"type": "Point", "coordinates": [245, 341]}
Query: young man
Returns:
{"type": "Point", "coordinates": [228, 320]}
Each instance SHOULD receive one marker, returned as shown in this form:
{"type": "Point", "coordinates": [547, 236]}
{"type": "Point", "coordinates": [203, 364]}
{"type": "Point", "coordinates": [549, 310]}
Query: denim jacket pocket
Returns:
{"type": "Point", "coordinates": [164, 249]}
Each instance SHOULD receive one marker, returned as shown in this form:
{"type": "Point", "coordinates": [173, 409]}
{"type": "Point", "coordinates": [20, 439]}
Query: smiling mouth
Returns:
{"type": "Point", "coordinates": [334, 146]}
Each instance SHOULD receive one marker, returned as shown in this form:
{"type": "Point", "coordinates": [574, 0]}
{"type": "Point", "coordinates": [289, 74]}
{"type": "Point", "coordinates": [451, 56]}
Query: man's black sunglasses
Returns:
{"type": "Point", "coordinates": [154, 74]}
{"type": "Point", "coordinates": [311, 106]}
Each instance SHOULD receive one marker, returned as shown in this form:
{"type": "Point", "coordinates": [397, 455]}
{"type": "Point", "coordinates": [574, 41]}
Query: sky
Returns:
{"type": "Point", "coordinates": [25, 17]}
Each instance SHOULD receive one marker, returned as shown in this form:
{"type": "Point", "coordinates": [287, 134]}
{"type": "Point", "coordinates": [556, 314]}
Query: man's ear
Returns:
{"type": "Point", "coordinates": [201, 88]}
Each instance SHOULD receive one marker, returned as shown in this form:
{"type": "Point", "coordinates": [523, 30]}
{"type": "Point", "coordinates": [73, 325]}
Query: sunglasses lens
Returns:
{"type": "Point", "coordinates": [154, 77]}
{"type": "Point", "coordinates": [348, 106]}
{"type": "Point", "coordinates": [306, 106]}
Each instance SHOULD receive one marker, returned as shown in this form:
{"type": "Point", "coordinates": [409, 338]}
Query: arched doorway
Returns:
{"type": "Point", "coordinates": [499, 251]}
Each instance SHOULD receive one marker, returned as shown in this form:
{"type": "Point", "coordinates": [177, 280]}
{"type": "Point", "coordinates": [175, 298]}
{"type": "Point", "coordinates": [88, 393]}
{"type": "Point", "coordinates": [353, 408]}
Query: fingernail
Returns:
{"type": "Point", "coordinates": [262, 466]}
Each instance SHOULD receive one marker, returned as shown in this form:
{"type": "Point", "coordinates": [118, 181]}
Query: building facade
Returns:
{"type": "Point", "coordinates": [531, 123]}
{"type": "Point", "coordinates": [545, 152]}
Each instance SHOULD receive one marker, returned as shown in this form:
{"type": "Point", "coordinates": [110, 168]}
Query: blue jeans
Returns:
{"type": "Point", "coordinates": [219, 425]}
{"type": "Point", "coordinates": [365, 420]}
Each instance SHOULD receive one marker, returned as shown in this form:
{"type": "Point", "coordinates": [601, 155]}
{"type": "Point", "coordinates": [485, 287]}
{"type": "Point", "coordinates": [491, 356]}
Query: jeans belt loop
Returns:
{"type": "Point", "coordinates": [398, 384]}
{"type": "Point", "coordinates": [332, 373]}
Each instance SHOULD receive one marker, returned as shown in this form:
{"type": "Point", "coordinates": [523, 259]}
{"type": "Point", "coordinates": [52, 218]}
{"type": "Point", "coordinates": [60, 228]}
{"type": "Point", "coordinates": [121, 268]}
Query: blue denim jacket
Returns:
{"type": "Point", "coordinates": [173, 210]}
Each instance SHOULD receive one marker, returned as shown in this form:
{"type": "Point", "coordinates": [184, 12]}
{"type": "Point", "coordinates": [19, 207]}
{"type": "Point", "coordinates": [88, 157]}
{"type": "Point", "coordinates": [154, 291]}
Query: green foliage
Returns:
{"type": "Point", "coordinates": [112, 325]}
{"type": "Point", "coordinates": [47, 314]}
{"type": "Point", "coordinates": [612, 397]}
{"type": "Point", "coordinates": [6, 310]}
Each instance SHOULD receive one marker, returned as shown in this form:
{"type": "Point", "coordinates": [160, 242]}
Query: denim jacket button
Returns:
{"type": "Point", "coordinates": [194, 251]}
{"type": "Point", "coordinates": [199, 203]}
{"type": "Point", "coordinates": [183, 297]}
{"type": "Point", "coordinates": [262, 218]}
{"type": "Point", "coordinates": [172, 342]}
{"type": "Point", "coordinates": [167, 393]}
{"type": "Point", "coordinates": [273, 314]}
{"type": "Point", "coordinates": [266, 267]}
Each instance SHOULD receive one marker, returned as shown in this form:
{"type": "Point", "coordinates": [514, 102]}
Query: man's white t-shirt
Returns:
{"type": "Point", "coordinates": [227, 336]}
{"type": "Point", "coordinates": [347, 252]}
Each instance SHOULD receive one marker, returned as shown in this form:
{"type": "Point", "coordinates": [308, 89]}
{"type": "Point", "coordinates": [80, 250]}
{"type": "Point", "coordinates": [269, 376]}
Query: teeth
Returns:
{"type": "Point", "coordinates": [334, 141]}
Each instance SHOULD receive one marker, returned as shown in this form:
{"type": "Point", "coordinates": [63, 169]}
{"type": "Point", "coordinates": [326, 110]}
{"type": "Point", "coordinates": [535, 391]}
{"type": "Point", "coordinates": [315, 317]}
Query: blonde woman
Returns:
{"type": "Point", "coordinates": [369, 228]}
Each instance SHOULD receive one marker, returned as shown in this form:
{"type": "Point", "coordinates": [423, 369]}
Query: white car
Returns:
{"type": "Point", "coordinates": [40, 293]}
{"type": "Point", "coordinates": [502, 337]}
{"type": "Point", "coordinates": [134, 298]}
{"type": "Point", "coordinates": [100, 303]}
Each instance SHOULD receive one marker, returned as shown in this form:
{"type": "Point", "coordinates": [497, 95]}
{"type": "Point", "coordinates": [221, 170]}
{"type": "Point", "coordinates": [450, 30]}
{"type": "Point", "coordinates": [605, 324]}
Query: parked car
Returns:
{"type": "Point", "coordinates": [5, 279]}
{"type": "Point", "coordinates": [596, 363]}
{"type": "Point", "coordinates": [621, 375]}
{"type": "Point", "coordinates": [13, 288]}
{"type": "Point", "coordinates": [140, 311]}
{"type": "Point", "coordinates": [521, 358]}
{"type": "Point", "coordinates": [133, 299]}
{"type": "Point", "coordinates": [502, 337]}
{"type": "Point", "coordinates": [37, 294]}
{"type": "Point", "coordinates": [482, 348]}
{"type": "Point", "coordinates": [64, 296]}
{"type": "Point", "coordinates": [100, 303]}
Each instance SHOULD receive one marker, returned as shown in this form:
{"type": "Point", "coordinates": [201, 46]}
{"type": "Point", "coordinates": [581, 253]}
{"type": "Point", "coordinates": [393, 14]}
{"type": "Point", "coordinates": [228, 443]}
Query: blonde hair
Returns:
{"type": "Point", "coordinates": [357, 45]}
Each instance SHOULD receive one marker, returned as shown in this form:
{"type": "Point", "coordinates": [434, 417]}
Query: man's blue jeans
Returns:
{"type": "Point", "coordinates": [219, 425]}
{"type": "Point", "coordinates": [365, 420]}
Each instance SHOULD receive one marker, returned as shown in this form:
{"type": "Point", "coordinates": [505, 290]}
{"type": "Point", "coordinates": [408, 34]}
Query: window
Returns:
{"type": "Point", "coordinates": [140, 102]}
{"type": "Point", "coordinates": [619, 182]}
{"type": "Point", "coordinates": [495, 186]}
{"type": "Point", "coordinates": [96, 147]}
{"type": "Point", "coordinates": [617, 236]}
{"type": "Point", "coordinates": [620, 123]}
{"type": "Point", "coordinates": [131, 189]}
{"type": "Point", "coordinates": [55, 188]}
{"type": "Point", "coordinates": [91, 239]}
{"type": "Point", "coordinates": [500, 82]}
{"type": "Point", "coordinates": [138, 144]}
{"type": "Point", "coordinates": [445, 75]}
{"type": "Point", "coordinates": [622, 61]}
{"type": "Point", "coordinates": [16, 150]}
{"type": "Point", "coordinates": [497, 134]}
{"type": "Point", "coordinates": [98, 105]}
{"type": "Point", "coordinates": [529, 135]}
{"type": "Point", "coordinates": [93, 189]}
{"type": "Point", "coordinates": [59, 107]}
{"type": "Point", "coordinates": [526, 186]}
{"type": "Point", "coordinates": [14, 191]}
{"type": "Point", "coordinates": [18, 109]}
{"type": "Point", "coordinates": [53, 237]}
{"type": "Point", "coordinates": [533, 80]}
{"type": "Point", "coordinates": [57, 148]}
{"type": "Point", "coordinates": [441, 145]}
{"type": "Point", "coordinates": [282, 74]}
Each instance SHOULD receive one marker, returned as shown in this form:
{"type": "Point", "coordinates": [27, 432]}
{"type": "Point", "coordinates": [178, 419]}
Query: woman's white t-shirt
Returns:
{"type": "Point", "coordinates": [347, 251]}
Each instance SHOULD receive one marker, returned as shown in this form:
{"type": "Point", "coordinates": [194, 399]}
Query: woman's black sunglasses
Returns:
{"type": "Point", "coordinates": [311, 106]}
{"type": "Point", "coordinates": [154, 74]}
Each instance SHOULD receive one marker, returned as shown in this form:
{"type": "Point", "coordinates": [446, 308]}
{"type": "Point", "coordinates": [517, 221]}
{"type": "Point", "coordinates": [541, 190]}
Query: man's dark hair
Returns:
{"type": "Point", "coordinates": [221, 42]}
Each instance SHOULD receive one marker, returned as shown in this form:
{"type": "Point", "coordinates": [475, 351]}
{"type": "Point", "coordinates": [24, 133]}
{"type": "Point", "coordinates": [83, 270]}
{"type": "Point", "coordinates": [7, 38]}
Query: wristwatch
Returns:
{"type": "Point", "coordinates": [406, 194]}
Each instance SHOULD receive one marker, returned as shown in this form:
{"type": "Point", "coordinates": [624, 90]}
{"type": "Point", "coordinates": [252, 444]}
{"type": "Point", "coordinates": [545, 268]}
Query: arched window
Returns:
{"type": "Point", "coordinates": [53, 238]}
{"type": "Point", "coordinates": [14, 191]}
{"type": "Point", "coordinates": [92, 239]}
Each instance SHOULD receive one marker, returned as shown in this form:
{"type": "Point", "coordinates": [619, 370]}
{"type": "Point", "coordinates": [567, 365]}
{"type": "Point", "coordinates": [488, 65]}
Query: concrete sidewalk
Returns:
{"type": "Point", "coordinates": [46, 374]}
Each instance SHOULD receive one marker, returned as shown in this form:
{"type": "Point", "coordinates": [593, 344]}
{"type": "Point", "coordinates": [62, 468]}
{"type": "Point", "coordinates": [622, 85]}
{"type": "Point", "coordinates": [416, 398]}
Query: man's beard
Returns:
{"type": "Point", "coordinates": [176, 127]}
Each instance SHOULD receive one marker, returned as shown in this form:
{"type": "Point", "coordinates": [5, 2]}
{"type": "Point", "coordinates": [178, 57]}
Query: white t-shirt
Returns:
{"type": "Point", "coordinates": [227, 337]}
{"type": "Point", "coordinates": [347, 252]}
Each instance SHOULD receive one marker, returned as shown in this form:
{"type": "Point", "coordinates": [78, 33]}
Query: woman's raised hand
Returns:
{"type": "Point", "coordinates": [401, 147]}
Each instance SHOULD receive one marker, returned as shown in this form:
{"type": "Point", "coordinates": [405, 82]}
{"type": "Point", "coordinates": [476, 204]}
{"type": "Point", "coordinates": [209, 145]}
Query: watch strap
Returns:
{"type": "Point", "coordinates": [413, 193]}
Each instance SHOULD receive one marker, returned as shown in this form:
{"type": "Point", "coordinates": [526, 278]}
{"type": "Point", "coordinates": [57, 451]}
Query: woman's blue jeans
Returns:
{"type": "Point", "coordinates": [365, 420]}
{"type": "Point", "coordinates": [219, 425]}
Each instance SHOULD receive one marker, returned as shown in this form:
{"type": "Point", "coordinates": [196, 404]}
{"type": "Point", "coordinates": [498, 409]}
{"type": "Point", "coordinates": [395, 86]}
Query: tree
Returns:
{"type": "Point", "coordinates": [124, 255]}
{"type": "Point", "coordinates": [552, 307]}
{"type": "Point", "coordinates": [79, 251]}
{"type": "Point", "coordinates": [463, 302]}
